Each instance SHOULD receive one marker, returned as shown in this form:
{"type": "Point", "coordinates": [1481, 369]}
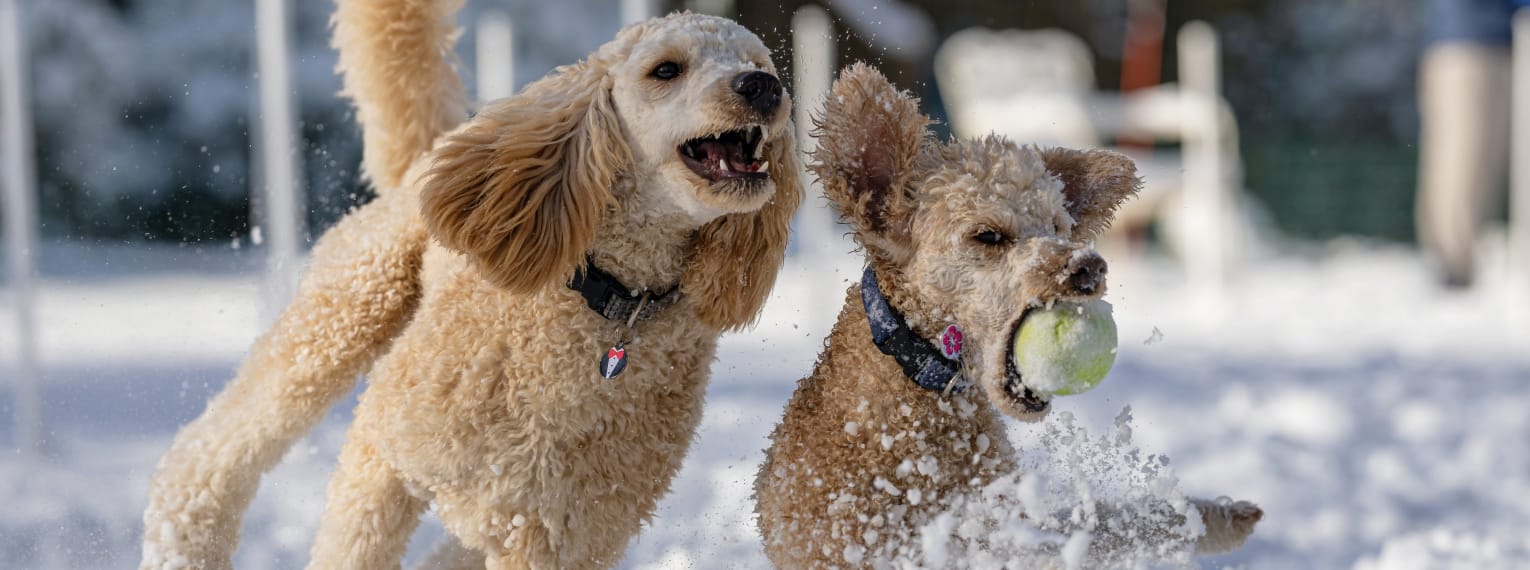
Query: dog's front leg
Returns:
{"type": "Point", "coordinates": [361, 287]}
{"type": "Point", "coordinates": [1228, 524]}
{"type": "Point", "coordinates": [368, 512]}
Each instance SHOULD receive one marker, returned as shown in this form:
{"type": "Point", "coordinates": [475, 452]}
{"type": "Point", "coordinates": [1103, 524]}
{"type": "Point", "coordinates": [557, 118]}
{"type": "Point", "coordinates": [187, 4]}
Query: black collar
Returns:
{"type": "Point", "coordinates": [610, 299]}
{"type": "Point", "coordinates": [921, 361]}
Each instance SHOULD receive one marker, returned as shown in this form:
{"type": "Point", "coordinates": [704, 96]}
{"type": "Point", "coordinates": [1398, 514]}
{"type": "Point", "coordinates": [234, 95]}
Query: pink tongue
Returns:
{"type": "Point", "coordinates": [712, 150]}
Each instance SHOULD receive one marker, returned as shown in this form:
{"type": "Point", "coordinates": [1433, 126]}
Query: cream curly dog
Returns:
{"type": "Point", "coordinates": [631, 206]}
{"type": "Point", "coordinates": [968, 233]}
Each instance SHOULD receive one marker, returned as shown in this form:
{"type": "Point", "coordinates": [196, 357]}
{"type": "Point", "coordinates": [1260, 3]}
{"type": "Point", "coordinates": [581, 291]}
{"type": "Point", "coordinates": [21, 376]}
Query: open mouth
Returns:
{"type": "Point", "coordinates": [1014, 385]}
{"type": "Point", "coordinates": [730, 155]}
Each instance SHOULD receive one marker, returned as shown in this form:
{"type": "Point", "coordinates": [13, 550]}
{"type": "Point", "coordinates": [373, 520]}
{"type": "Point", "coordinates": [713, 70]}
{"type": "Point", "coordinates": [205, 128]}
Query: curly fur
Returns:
{"type": "Point", "coordinates": [733, 261]}
{"type": "Point", "coordinates": [483, 393]}
{"type": "Point", "coordinates": [397, 62]}
{"type": "Point", "coordinates": [830, 491]}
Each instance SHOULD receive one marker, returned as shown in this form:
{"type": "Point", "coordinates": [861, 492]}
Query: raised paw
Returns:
{"type": "Point", "coordinates": [1228, 524]}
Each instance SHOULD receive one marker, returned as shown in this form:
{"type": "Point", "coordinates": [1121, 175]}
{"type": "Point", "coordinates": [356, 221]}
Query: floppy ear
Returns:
{"type": "Point", "coordinates": [1095, 182]}
{"type": "Point", "coordinates": [869, 139]}
{"type": "Point", "coordinates": [734, 259]}
{"type": "Point", "coordinates": [521, 189]}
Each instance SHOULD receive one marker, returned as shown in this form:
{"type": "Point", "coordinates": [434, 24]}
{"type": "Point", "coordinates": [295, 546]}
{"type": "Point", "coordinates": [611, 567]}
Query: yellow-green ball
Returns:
{"type": "Point", "coordinates": [1066, 349]}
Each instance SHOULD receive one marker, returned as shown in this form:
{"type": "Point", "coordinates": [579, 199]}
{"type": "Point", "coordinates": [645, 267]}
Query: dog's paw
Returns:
{"type": "Point", "coordinates": [1228, 524]}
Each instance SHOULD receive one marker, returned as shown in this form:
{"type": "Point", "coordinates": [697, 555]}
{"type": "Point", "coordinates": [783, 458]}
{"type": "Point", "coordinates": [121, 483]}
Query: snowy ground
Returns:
{"type": "Point", "coordinates": [1379, 421]}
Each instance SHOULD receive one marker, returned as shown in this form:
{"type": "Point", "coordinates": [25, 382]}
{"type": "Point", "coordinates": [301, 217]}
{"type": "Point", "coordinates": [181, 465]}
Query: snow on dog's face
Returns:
{"type": "Point", "coordinates": [971, 233]}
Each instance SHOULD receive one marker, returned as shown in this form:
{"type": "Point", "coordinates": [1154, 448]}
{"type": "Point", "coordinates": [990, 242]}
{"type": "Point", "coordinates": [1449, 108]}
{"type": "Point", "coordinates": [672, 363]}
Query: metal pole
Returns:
{"type": "Point", "coordinates": [634, 11]}
{"type": "Point", "coordinates": [813, 65]}
{"type": "Point", "coordinates": [1519, 165]}
{"type": "Point", "coordinates": [20, 225]}
{"type": "Point", "coordinates": [282, 216]}
{"type": "Point", "coordinates": [813, 60]}
{"type": "Point", "coordinates": [496, 61]}
{"type": "Point", "coordinates": [820, 242]}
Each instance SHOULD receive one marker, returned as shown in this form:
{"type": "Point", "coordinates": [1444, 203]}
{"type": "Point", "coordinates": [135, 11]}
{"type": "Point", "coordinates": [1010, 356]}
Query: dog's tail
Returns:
{"type": "Point", "coordinates": [397, 62]}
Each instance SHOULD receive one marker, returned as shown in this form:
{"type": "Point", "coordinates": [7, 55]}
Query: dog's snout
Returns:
{"type": "Point", "coordinates": [761, 90]}
{"type": "Point", "coordinates": [1087, 274]}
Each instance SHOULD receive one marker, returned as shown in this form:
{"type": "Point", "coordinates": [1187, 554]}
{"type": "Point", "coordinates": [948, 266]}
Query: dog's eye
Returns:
{"type": "Point", "coordinates": [989, 237]}
{"type": "Point", "coordinates": [666, 71]}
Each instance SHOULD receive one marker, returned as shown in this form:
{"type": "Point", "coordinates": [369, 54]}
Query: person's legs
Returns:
{"type": "Point", "coordinates": [1463, 149]}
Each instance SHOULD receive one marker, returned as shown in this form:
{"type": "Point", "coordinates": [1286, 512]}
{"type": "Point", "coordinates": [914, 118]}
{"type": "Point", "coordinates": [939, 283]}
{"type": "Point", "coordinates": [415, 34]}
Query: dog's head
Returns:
{"type": "Point", "coordinates": [973, 232]}
{"type": "Point", "coordinates": [684, 113]}
{"type": "Point", "coordinates": [704, 111]}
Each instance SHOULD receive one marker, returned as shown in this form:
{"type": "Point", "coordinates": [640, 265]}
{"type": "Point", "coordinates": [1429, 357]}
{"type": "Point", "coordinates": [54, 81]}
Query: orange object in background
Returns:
{"type": "Point", "coordinates": [1142, 55]}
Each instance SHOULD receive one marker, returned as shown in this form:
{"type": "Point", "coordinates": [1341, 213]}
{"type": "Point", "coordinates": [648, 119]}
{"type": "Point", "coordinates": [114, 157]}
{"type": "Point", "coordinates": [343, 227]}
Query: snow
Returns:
{"type": "Point", "coordinates": [1378, 420]}
{"type": "Point", "coordinates": [1070, 482]}
{"type": "Point", "coordinates": [1074, 550]}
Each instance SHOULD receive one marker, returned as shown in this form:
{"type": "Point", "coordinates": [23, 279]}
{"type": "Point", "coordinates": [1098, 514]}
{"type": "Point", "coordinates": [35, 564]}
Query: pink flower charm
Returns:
{"type": "Point", "coordinates": [951, 342]}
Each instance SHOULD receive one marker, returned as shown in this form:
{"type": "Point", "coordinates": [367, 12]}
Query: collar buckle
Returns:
{"type": "Point", "coordinates": [605, 295]}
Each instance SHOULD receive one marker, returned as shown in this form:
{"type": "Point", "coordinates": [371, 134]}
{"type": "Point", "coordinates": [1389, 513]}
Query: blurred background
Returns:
{"type": "Point", "coordinates": [1315, 314]}
{"type": "Point", "coordinates": [143, 108]}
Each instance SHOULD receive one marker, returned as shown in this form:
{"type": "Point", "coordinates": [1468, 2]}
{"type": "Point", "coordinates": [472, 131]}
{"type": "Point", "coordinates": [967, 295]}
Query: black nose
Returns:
{"type": "Point", "coordinates": [1088, 274]}
{"type": "Point", "coordinates": [761, 90]}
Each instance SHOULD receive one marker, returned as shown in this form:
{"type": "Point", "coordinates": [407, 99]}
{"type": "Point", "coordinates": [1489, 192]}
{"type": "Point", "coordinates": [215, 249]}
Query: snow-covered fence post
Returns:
{"type": "Point", "coordinates": [634, 11]}
{"type": "Point", "coordinates": [1519, 165]}
{"type": "Point", "coordinates": [1206, 185]}
{"type": "Point", "coordinates": [20, 226]}
{"type": "Point", "coordinates": [496, 56]}
{"type": "Point", "coordinates": [813, 61]}
{"type": "Point", "coordinates": [281, 214]}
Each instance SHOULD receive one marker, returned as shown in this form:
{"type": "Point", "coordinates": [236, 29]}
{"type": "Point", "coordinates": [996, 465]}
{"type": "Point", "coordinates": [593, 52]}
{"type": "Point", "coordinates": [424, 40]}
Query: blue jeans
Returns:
{"type": "Point", "coordinates": [1471, 21]}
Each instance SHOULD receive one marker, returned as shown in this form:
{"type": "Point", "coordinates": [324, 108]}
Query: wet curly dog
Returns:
{"type": "Point", "coordinates": [889, 429]}
{"type": "Point", "coordinates": [536, 294]}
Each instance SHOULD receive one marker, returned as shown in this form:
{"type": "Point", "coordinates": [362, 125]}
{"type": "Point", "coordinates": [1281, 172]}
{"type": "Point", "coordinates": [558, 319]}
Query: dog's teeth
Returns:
{"type": "Point", "coordinates": [722, 164]}
{"type": "Point", "coordinates": [763, 165]}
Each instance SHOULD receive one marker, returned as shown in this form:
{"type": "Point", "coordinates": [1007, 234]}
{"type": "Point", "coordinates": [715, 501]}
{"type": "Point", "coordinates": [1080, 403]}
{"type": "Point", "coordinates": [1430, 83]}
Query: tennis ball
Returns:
{"type": "Point", "coordinates": [1066, 349]}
